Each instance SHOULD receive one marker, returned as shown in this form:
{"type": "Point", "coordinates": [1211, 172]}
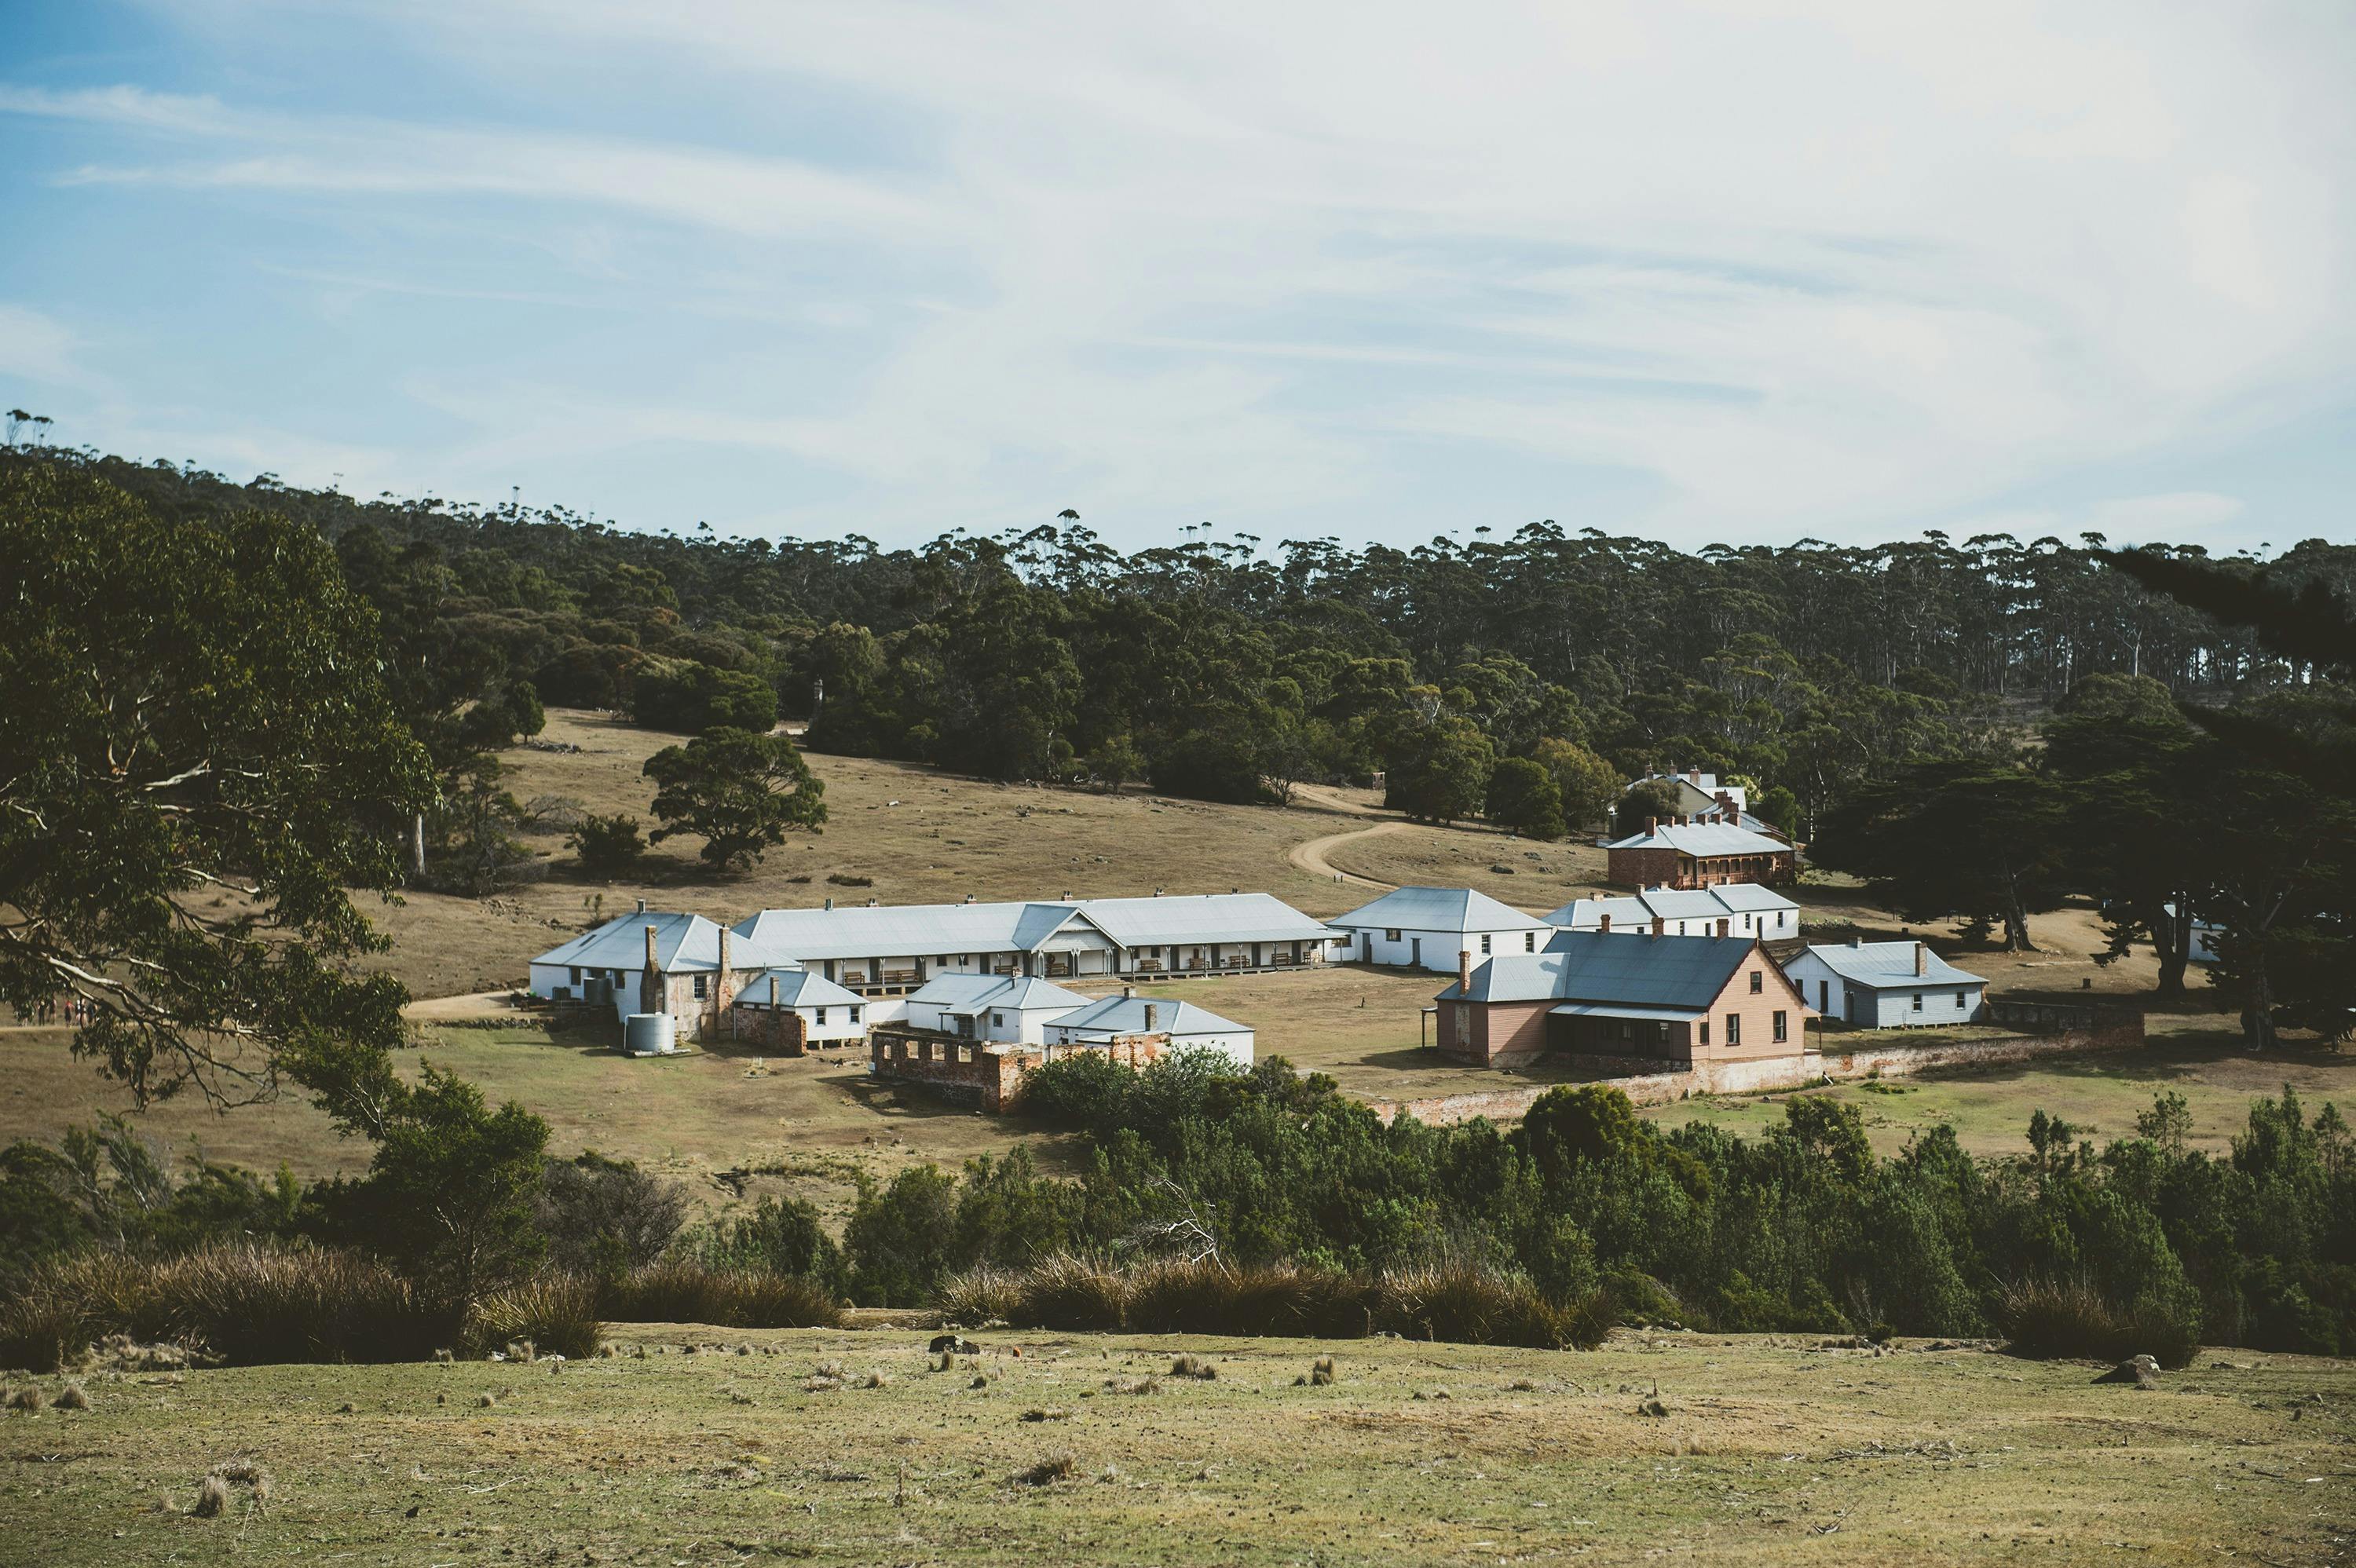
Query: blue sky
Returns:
{"type": "Point", "coordinates": [1709, 272]}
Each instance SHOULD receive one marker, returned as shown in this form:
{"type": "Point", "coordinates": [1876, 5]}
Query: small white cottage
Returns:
{"type": "Point", "coordinates": [1011, 1009]}
{"type": "Point", "coordinates": [1425, 928]}
{"type": "Point", "coordinates": [1886, 984]}
{"type": "Point", "coordinates": [1186, 1027]}
{"type": "Point", "coordinates": [831, 1015]}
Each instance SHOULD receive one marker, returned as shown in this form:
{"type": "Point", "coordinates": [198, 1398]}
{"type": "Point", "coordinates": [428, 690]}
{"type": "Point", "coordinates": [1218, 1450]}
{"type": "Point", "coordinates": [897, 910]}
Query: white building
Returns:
{"type": "Point", "coordinates": [1425, 928]}
{"type": "Point", "coordinates": [1885, 985]}
{"type": "Point", "coordinates": [1187, 1026]}
{"type": "Point", "coordinates": [901, 947]}
{"type": "Point", "coordinates": [685, 951]}
{"type": "Point", "coordinates": [830, 1015]}
{"type": "Point", "coordinates": [1011, 1009]}
{"type": "Point", "coordinates": [1729, 909]}
{"type": "Point", "coordinates": [1700, 793]}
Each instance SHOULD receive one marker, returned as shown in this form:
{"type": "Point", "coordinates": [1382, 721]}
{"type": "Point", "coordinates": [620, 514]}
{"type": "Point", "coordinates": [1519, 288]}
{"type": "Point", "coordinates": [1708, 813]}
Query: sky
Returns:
{"type": "Point", "coordinates": [1712, 273]}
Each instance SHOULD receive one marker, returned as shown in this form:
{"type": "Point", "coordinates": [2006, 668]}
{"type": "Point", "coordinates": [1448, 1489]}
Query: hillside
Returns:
{"type": "Point", "coordinates": [1767, 1449]}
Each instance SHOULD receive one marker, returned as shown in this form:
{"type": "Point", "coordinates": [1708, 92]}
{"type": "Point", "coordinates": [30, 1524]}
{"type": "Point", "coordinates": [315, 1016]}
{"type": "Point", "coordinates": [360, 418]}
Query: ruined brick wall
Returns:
{"type": "Point", "coordinates": [956, 1069]}
{"type": "Point", "coordinates": [781, 1031]}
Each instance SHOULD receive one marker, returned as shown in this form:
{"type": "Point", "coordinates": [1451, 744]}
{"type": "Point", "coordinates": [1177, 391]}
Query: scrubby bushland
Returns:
{"type": "Point", "coordinates": [1803, 1229]}
{"type": "Point", "coordinates": [1456, 1299]}
{"type": "Point", "coordinates": [2046, 1318]}
{"type": "Point", "coordinates": [606, 1216]}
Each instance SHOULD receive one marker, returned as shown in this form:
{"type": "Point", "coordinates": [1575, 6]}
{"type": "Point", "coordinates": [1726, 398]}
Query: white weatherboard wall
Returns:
{"type": "Point", "coordinates": [1437, 950]}
{"type": "Point", "coordinates": [1884, 1007]}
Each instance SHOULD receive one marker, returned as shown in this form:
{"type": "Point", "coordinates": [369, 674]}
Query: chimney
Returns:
{"type": "Point", "coordinates": [873, 902]}
{"type": "Point", "coordinates": [1922, 958]}
{"type": "Point", "coordinates": [1127, 993]}
{"type": "Point", "coordinates": [1652, 826]}
{"type": "Point", "coordinates": [1693, 777]}
{"type": "Point", "coordinates": [650, 986]}
{"type": "Point", "coordinates": [722, 981]}
{"type": "Point", "coordinates": [1152, 1017]}
{"type": "Point", "coordinates": [968, 897]}
{"type": "Point", "coordinates": [1464, 971]}
{"type": "Point", "coordinates": [1725, 801]}
{"type": "Point", "coordinates": [773, 988]}
{"type": "Point", "coordinates": [1606, 926]}
{"type": "Point", "coordinates": [1857, 942]}
{"type": "Point", "coordinates": [1660, 926]}
{"type": "Point", "coordinates": [1723, 924]}
{"type": "Point", "coordinates": [1065, 897]}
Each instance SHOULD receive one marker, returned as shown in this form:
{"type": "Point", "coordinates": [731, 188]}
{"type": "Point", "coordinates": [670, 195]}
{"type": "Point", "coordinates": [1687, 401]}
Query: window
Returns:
{"type": "Point", "coordinates": [1758, 981]}
{"type": "Point", "coordinates": [1390, 936]}
{"type": "Point", "coordinates": [1781, 1033]}
{"type": "Point", "coordinates": [574, 973]}
{"type": "Point", "coordinates": [1733, 1030]}
{"type": "Point", "coordinates": [821, 1015]}
{"type": "Point", "coordinates": [1529, 942]}
{"type": "Point", "coordinates": [1917, 1001]}
{"type": "Point", "coordinates": [998, 1021]}
{"type": "Point", "coordinates": [701, 982]}
{"type": "Point", "coordinates": [1485, 941]}
{"type": "Point", "coordinates": [854, 1015]}
{"type": "Point", "coordinates": [1960, 1003]}
{"type": "Point", "coordinates": [1824, 996]}
{"type": "Point", "coordinates": [1705, 1033]}
{"type": "Point", "coordinates": [1746, 923]}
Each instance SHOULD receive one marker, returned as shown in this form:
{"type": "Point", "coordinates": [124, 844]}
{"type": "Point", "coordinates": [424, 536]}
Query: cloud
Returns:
{"type": "Point", "coordinates": [2187, 517]}
{"type": "Point", "coordinates": [1829, 269]}
{"type": "Point", "coordinates": [36, 348]}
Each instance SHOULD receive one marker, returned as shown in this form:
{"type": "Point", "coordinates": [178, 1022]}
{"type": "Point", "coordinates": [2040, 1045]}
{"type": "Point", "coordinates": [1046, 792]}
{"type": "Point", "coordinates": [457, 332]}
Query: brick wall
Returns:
{"type": "Point", "coordinates": [779, 1030]}
{"type": "Point", "coordinates": [978, 1072]}
{"type": "Point", "coordinates": [1643, 868]}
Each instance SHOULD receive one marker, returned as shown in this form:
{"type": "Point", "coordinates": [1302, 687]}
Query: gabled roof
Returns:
{"type": "Point", "coordinates": [796, 988]}
{"type": "Point", "coordinates": [1636, 909]}
{"type": "Point", "coordinates": [1703, 838]}
{"type": "Point", "coordinates": [1126, 1015]}
{"type": "Point", "coordinates": [1683, 973]}
{"type": "Point", "coordinates": [1201, 917]}
{"type": "Point", "coordinates": [910, 929]}
{"type": "Point", "coordinates": [978, 993]}
{"type": "Point", "coordinates": [1439, 909]}
{"type": "Point", "coordinates": [683, 943]}
{"type": "Point", "coordinates": [1888, 966]}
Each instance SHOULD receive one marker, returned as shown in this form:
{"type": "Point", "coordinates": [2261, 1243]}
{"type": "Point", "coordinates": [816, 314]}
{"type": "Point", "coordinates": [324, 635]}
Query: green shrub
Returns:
{"type": "Point", "coordinates": [978, 1295]}
{"type": "Point", "coordinates": [1469, 1302]}
{"type": "Point", "coordinates": [2048, 1319]}
{"type": "Point", "coordinates": [250, 1306]}
{"type": "Point", "coordinates": [607, 846]}
{"type": "Point", "coordinates": [686, 1292]}
{"type": "Point", "coordinates": [557, 1312]}
{"type": "Point", "coordinates": [1066, 1292]}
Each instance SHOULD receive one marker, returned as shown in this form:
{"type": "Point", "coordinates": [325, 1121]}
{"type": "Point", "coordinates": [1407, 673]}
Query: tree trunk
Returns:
{"type": "Point", "coordinates": [2258, 1005]}
{"type": "Point", "coordinates": [417, 845]}
{"type": "Point", "coordinates": [2015, 918]}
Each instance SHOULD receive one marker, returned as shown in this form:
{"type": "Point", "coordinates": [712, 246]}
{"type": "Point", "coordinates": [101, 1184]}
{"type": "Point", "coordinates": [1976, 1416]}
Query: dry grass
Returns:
{"type": "Point", "coordinates": [1916, 1457]}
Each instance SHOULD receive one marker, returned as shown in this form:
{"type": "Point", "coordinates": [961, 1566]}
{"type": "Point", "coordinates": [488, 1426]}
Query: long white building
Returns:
{"type": "Point", "coordinates": [1729, 909]}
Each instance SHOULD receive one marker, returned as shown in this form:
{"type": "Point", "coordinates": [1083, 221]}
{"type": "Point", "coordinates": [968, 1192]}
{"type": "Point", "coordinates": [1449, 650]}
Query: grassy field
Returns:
{"type": "Point", "coordinates": [920, 835]}
{"type": "Point", "coordinates": [1768, 1451]}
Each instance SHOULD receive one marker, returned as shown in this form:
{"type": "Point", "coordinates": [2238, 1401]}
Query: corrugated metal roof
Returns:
{"type": "Point", "coordinates": [1201, 917]}
{"type": "Point", "coordinates": [1888, 966]}
{"type": "Point", "coordinates": [1637, 910]}
{"type": "Point", "coordinates": [1703, 838]}
{"type": "Point", "coordinates": [1611, 1010]}
{"type": "Point", "coordinates": [683, 942]}
{"type": "Point", "coordinates": [1458, 910]}
{"type": "Point", "coordinates": [893, 931]}
{"type": "Point", "coordinates": [1126, 1015]}
{"type": "Point", "coordinates": [796, 988]}
{"type": "Point", "coordinates": [969, 993]}
{"type": "Point", "coordinates": [1687, 972]}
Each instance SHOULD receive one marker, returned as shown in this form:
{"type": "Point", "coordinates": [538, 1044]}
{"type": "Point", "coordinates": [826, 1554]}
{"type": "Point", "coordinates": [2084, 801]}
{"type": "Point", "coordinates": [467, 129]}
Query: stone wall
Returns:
{"type": "Point", "coordinates": [1643, 1081]}
{"type": "Point", "coordinates": [976, 1072]}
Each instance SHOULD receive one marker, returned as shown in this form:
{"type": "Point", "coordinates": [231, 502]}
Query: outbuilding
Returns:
{"type": "Point", "coordinates": [1886, 984]}
{"type": "Point", "coordinates": [1182, 1025]}
{"type": "Point", "coordinates": [1731, 909]}
{"type": "Point", "coordinates": [1425, 928]}
{"type": "Point", "coordinates": [830, 1015]}
{"type": "Point", "coordinates": [1014, 1010]}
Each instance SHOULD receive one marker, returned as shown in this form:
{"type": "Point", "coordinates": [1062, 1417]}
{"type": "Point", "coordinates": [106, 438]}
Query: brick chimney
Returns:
{"type": "Point", "coordinates": [1725, 803]}
{"type": "Point", "coordinates": [723, 984]}
{"type": "Point", "coordinates": [1652, 826]}
{"type": "Point", "coordinates": [1606, 926]}
{"type": "Point", "coordinates": [1723, 926]}
{"type": "Point", "coordinates": [1464, 971]}
{"type": "Point", "coordinates": [650, 986]}
{"type": "Point", "coordinates": [1693, 777]}
{"type": "Point", "coordinates": [1922, 958]}
{"type": "Point", "coordinates": [1660, 926]}
{"type": "Point", "coordinates": [1152, 1017]}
